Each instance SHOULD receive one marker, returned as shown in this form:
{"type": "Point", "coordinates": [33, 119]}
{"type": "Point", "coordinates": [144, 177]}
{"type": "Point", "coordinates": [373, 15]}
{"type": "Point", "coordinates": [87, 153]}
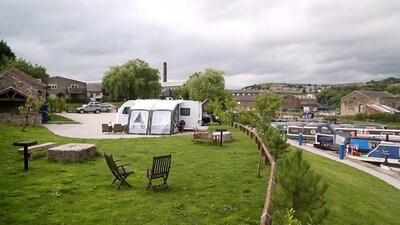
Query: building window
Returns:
{"type": "Point", "coordinates": [74, 85]}
{"type": "Point", "coordinates": [52, 86]}
{"type": "Point", "coordinates": [351, 104]}
{"type": "Point", "coordinates": [81, 96]}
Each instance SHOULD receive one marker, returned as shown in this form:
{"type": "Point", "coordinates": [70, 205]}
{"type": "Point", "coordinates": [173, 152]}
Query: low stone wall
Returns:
{"type": "Point", "coordinates": [16, 119]}
{"type": "Point", "coordinates": [75, 152]}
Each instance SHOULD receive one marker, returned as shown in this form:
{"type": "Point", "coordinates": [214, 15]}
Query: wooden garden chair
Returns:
{"type": "Point", "coordinates": [105, 128]}
{"type": "Point", "coordinates": [119, 171]}
{"type": "Point", "coordinates": [118, 128]}
{"type": "Point", "coordinates": [159, 169]}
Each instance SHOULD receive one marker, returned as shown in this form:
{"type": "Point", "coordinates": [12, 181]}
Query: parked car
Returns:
{"type": "Point", "coordinates": [95, 107]}
{"type": "Point", "coordinates": [206, 119]}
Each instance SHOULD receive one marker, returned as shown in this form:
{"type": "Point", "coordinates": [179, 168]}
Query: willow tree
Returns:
{"type": "Point", "coordinates": [132, 80]}
{"type": "Point", "coordinates": [209, 84]}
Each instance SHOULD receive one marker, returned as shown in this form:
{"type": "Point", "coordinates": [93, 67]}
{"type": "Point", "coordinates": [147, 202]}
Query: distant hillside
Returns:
{"type": "Point", "coordinates": [330, 94]}
{"type": "Point", "coordinates": [331, 97]}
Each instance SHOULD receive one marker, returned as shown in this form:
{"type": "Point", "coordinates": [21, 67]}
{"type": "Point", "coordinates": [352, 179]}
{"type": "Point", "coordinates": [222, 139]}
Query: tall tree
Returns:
{"type": "Point", "coordinates": [265, 106]}
{"type": "Point", "coordinates": [301, 189]}
{"type": "Point", "coordinates": [209, 84]}
{"type": "Point", "coordinates": [277, 143]}
{"type": "Point", "coordinates": [132, 80]}
{"type": "Point", "coordinates": [5, 52]}
{"type": "Point", "coordinates": [35, 71]}
{"type": "Point", "coordinates": [8, 61]}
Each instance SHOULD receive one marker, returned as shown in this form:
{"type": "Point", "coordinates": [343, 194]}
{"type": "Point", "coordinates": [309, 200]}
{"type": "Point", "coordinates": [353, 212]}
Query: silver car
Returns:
{"type": "Point", "coordinates": [95, 107]}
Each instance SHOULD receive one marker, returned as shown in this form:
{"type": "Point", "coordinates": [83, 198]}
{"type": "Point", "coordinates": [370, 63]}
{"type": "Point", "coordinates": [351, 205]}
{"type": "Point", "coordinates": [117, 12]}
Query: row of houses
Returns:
{"type": "Point", "coordinates": [73, 90]}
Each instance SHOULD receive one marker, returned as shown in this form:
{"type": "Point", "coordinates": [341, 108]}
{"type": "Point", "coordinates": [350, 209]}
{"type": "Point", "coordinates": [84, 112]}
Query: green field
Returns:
{"type": "Point", "coordinates": [208, 184]}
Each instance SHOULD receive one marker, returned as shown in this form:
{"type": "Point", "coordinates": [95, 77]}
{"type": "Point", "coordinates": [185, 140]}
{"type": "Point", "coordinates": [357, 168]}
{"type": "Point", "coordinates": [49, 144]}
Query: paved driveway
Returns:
{"type": "Point", "coordinates": [89, 127]}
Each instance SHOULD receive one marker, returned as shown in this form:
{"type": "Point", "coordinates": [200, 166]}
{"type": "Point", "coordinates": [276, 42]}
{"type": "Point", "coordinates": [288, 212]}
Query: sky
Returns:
{"type": "Point", "coordinates": [251, 41]}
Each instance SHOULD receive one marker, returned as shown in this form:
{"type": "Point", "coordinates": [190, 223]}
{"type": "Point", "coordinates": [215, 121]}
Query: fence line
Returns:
{"type": "Point", "coordinates": [266, 214]}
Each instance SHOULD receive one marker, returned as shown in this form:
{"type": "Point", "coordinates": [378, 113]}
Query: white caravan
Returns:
{"type": "Point", "coordinates": [157, 117]}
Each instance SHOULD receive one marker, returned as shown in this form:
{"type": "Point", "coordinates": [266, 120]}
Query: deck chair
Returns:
{"type": "Point", "coordinates": [105, 128]}
{"type": "Point", "coordinates": [119, 171]}
{"type": "Point", "coordinates": [118, 128]}
{"type": "Point", "coordinates": [159, 169]}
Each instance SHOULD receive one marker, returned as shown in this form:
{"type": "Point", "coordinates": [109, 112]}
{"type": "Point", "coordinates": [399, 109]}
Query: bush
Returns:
{"type": "Point", "coordinates": [379, 117]}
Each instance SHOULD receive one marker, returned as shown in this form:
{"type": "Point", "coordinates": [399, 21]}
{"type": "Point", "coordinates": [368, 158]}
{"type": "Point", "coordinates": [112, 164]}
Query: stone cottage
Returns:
{"type": "Point", "coordinates": [15, 86]}
{"type": "Point", "coordinates": [369, 102]}
{"type": "Point", "coordinates": [299, 102]}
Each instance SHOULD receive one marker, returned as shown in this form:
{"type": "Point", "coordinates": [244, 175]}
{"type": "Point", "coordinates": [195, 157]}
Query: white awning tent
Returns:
{"type": "Point", "coordinates": [156, 117]}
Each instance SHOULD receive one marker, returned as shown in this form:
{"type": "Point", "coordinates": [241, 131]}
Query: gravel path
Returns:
{"type": "Point", "coordinates": [389, 176]}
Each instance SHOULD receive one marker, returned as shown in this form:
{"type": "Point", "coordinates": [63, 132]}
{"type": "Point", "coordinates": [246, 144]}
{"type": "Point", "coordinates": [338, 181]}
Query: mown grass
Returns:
{"type": "Point", "coordinates": [207, 185]}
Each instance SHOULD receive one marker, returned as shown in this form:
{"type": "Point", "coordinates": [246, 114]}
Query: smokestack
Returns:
{"type": "Point", "coordinates": [165, 72]}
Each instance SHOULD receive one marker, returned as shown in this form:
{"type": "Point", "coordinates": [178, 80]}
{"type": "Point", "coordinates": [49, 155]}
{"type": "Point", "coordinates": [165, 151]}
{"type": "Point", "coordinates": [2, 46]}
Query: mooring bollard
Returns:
{"type": "Point", "coordinates": [341, 153]}
{"type": "Point", "coordinates": [300, 139]}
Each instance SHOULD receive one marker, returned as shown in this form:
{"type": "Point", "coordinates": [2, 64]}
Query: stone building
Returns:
{"type": "Point", "coordinates": [15, 87]}
{"type": "Point", "coordinates": [244, 98]}
{"type": "Point", "coordinates": [369, 102]}
{"type": "Point", "coordinates": [95, 91]}
{"type": "Point", "coordinates": [72, 90]}
{"type": "Point", "coordinates": [299, 102]}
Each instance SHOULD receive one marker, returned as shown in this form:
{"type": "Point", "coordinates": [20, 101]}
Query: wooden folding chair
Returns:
{"type": "Point", "coordinates": [118, 128]}
{"type": "Point", "coordinates": [119, 171]}
{"type": "Point", "coordinates": [159, 169]}
{"type": "Point", "coordinates": [105, 128]}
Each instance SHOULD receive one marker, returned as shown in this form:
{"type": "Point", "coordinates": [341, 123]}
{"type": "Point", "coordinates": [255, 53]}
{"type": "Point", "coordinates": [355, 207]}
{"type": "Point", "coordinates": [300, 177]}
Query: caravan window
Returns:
{"type": "Point", "coordinates": [185, 112]}
{"type": "Point", "coordinates": [126, 110]}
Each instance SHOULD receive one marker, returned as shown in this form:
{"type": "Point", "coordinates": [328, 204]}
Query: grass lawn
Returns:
{"type": "Point", "coordinates": [207, 185]}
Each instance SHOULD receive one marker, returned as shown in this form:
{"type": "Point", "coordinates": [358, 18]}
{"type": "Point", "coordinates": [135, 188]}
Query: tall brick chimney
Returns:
{"type": "Point", "coordinates": [165, 72]}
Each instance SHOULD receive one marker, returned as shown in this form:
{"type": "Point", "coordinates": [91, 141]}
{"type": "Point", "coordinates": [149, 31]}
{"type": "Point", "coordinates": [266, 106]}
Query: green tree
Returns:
{"type": "Point", "coordinates": [209, 84]}
{"type": "Point", "coordinates": [35, 71]}
{"type": "Point", "coordinates": [181, 93]}
{"type": "Point", "coordinates": [265, 106]}
{"type": "Point", "coordinates": [289, 218]}
{"type": "Point", "coordinates": [394, 89]}
{"type": "Point", "coordinates": [62, 104]}
{"type": "Point", "coordinates": [31, 107]}
{"type": "Point", "coordinates": [299, 188]}
{"type": "Point", "coordinates": [132, 80]}
{"type": "Point", "coordinates": [5, 53]}
{"type": "Point", "coordinates": [276, 143]}
{"type": "Point", "coordinates": [8, 61]}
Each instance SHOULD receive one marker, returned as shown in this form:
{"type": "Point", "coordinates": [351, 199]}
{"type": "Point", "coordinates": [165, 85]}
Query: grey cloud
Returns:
{"type": "Point", "coordinates": [252, 41]}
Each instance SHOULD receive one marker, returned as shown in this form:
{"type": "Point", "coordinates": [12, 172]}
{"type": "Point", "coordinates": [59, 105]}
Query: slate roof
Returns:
{"type": "Point", "coordinates": [20, 81]}
{"type": "Point", "coordinates": [94, 87]}
{"type": "Point", "coordinates": [377, 94]}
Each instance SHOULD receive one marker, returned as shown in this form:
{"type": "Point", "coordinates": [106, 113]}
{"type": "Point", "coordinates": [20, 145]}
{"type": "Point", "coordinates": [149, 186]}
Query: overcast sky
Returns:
{"type": "Point", "coordinates": [252, 41]}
